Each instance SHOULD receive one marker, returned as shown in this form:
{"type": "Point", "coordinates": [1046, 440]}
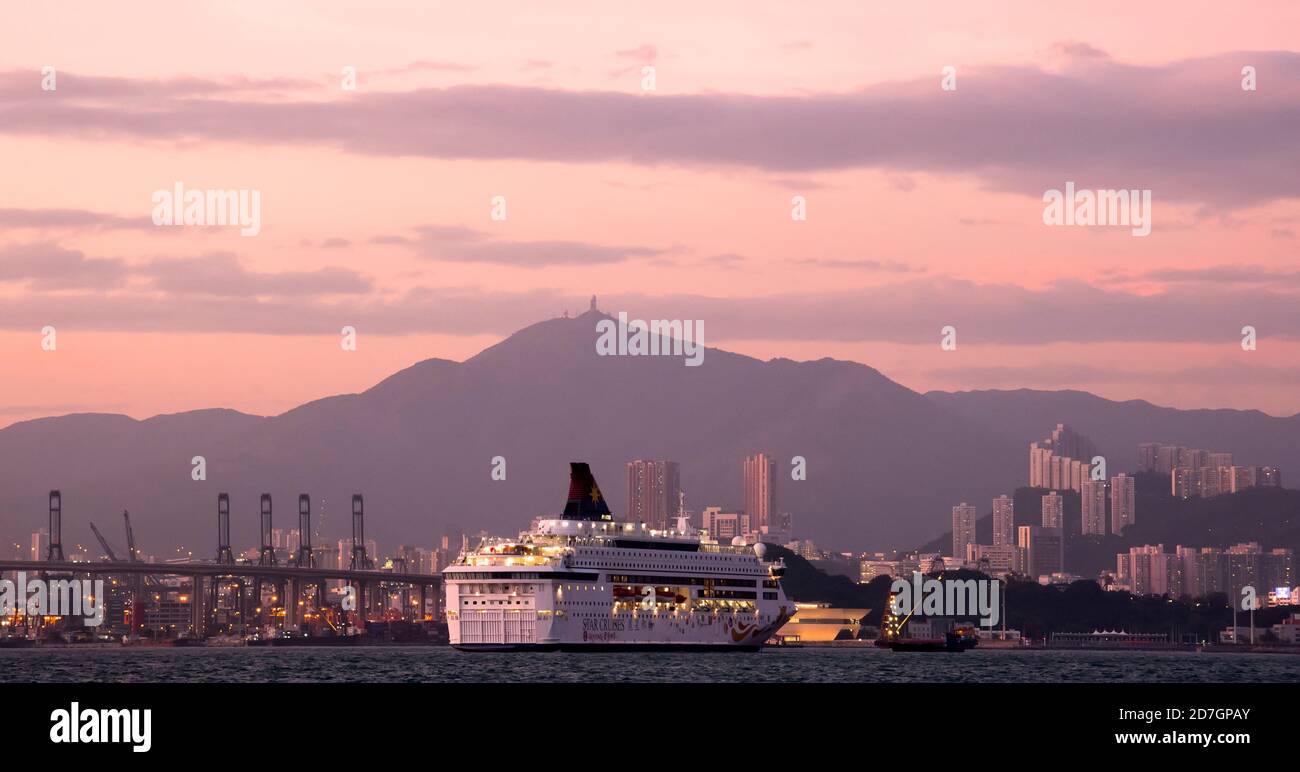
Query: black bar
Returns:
{"type": "Point", "coordinates": [1000, 724]}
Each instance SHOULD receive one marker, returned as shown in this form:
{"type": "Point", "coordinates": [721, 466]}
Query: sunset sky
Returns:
{"type": "Point", "coordinates": [924, 206]}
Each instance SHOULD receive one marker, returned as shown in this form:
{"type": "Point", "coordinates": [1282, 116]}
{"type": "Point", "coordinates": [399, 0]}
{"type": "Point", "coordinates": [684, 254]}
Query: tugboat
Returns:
{"type": "Point", "coordinates": [957, 639]}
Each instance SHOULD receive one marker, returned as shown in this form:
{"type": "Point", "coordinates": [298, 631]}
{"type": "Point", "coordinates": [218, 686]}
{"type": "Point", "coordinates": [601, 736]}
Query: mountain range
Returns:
{"type": "Point", "coordinates": [885, 464]}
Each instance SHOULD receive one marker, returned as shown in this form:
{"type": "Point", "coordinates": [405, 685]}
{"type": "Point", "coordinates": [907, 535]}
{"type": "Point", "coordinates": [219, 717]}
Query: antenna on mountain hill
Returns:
{"type": "Point", "coordinates": [593, 302]}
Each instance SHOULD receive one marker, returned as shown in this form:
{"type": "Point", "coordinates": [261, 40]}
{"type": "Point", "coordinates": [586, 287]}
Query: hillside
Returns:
{"type": "Point", "coordinates": [885, 464]}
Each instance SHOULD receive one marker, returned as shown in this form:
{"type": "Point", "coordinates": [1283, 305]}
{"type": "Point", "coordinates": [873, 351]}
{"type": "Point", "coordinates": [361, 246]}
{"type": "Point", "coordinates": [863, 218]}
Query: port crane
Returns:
{"type": "Point", "coordinates": [130, 537]}
{"type": "Point", "coordinates": [104, 543]}
{"type": "Point", "coordinates": [130, 541]}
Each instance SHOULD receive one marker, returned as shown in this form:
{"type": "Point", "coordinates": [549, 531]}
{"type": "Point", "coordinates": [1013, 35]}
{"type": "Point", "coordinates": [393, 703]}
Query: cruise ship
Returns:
{"type": "Point", "coordinates": [582, 581]}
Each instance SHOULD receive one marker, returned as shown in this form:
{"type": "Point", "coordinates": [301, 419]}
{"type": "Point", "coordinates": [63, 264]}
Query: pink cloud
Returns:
{"type": "Point", "coordinates": [1185, 130]}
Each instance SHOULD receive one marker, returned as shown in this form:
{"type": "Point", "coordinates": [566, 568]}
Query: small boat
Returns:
{"type": "Point", "coordinates": [960, 639]}
{"type": "Point", "coordinates": [919, 644]}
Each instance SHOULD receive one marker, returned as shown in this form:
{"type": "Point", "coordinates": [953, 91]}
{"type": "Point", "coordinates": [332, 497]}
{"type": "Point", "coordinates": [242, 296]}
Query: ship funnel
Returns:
{"type": "Point", "coordinates": [586, 502]}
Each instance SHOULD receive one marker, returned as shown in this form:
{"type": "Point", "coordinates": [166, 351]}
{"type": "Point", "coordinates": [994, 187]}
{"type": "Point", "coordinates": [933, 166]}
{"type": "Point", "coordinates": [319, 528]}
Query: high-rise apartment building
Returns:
{"type": "Point", "coordinates": [1093, 502]}
{"type": "Point", "coordinates": [1044, 550]}
{"type": "Point", "coordinates": [781, 529]}
{"type": "Point", "coordinates": [40, 544]}
{"type": "Point", "coordinates": [1209, 481]}
{"type": "Point", "coordinates": [1151, 570]}
{"type": "Point", "coordinates": [652, 492]}
{"type": "Point", "coordinates": [1167, 458]}
{"type": "Point", "coordinates": [1004, 521]}
{"type": "Point", "coordinates": [993, 559]}
{"type": "Point", "coordinates": [1217, 460]}
{"type": "Point", "coordinates": [760, 491]}
{"type": "Point", "coordinates": [1200, 572]}
{"type": "Point", "coordinates": [963, 529]}
{"type": "Point", "coordinates": [1195, 472]}
{"type": "Point", "coordinates": [1053, 511]}
{"type": "Point", "coordinates": [1247, 565]}
{"type": "Point", "coordinates": [1123, 503]}
{"type": "Point", "coordinates": [1054, 472]}
{"type": "Point", "coordinates": [1241, 477]}
{"type": "Point", "coordinates": [1148, 456]}
{"type": "Point", "coordinates": [1060, 461]}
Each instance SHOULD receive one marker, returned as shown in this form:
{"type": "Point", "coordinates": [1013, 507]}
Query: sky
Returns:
{"type": "Point", "coordinates": [924, 204]}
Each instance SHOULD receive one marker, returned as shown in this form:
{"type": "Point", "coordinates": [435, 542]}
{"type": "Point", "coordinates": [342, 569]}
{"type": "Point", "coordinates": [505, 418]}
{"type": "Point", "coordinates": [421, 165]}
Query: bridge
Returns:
{"type": "Point", "coordinates": [352, 576]}
{"type": "Point", "coordinates": [207, 580]}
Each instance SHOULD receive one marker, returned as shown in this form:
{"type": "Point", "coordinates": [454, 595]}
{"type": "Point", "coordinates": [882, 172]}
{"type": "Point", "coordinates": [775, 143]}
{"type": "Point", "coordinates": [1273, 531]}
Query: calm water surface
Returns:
{"type": "Point", "coordinates": [440, 664]}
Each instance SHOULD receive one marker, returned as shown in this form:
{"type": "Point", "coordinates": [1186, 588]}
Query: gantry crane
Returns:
{"type": "Point", "coordinates": [149, 579]}
{"type": "Point", "coordinates": [103, 543]}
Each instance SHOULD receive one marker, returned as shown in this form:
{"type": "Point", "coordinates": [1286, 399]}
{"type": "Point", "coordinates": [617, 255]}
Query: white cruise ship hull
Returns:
{"type": "Point", "coordinates": [698, 601]}
{"type": "Point", "coordinates": [523, 631]}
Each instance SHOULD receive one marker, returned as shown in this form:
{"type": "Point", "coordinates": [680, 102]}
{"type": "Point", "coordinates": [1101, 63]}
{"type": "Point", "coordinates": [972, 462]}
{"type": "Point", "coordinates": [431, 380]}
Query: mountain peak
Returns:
{"type": "Point", "coordinates": [885, 464]}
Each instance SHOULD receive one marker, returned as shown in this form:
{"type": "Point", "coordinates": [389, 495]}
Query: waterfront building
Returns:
{"type": "Point", "coordinates": [1044, 550]}
{"type": "Point", "coordinates": [1152, 571]}
{"type": "Point", "coordinates": [871, 568]}
{"type": "Point", "coordinates": [822, 623]}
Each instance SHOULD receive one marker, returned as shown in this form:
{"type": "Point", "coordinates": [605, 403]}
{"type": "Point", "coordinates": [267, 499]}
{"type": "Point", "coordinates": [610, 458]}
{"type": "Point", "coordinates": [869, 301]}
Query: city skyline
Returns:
{"type": "Point", "coordinates": [653, 483]}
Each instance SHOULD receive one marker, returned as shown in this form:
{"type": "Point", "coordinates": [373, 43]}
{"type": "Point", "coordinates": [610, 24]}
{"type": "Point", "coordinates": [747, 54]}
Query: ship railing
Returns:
{"type": "Point", "coordinates": [727, 549]}
{"type": "Point", "coordinates": [522, 561]}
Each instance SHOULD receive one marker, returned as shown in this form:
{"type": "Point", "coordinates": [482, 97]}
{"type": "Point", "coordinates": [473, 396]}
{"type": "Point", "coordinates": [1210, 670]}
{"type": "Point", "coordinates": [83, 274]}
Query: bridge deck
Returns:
{"type": "Point", "coordinates": [215, 569]}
